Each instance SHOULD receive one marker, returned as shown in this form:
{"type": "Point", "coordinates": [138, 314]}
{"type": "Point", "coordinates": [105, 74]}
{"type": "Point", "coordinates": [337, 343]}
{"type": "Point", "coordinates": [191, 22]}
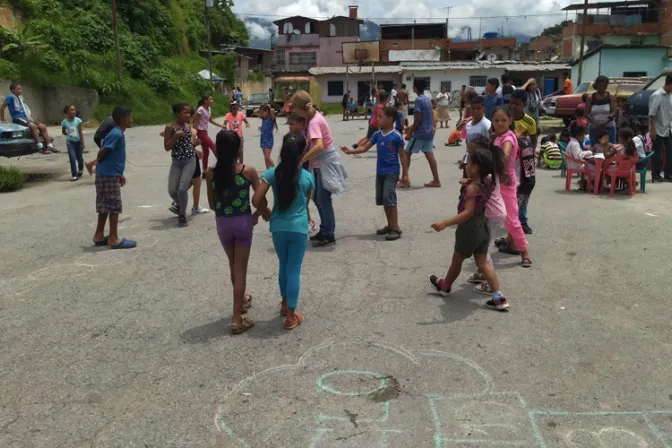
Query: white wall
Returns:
{"type": "Point", "coordinates": [458, 78]}
{"type": "Point", "coordinates": [351, 85]}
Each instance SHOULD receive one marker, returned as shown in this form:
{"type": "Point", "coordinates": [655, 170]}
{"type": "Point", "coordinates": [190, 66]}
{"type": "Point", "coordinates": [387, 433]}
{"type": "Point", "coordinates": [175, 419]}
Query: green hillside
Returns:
{"type": "Point", "coordinates": [72, 42]}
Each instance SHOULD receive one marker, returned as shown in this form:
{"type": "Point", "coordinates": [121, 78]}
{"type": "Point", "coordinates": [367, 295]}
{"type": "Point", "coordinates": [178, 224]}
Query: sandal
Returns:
{"type": "Point", "coordinates": [248, 304]}
{"type": "Point", "coordinates": [526, 262]}
{"type": "Point", "coordinates": [297, 322]}
{"type": "Point", "coordinates": [245, 324]}
{"type": "Point", "coordinates": [506, 249]}
{"type": "Point", "coordinates": [104, 242]}
{"type": "Point", "coordinates": [433, 184]}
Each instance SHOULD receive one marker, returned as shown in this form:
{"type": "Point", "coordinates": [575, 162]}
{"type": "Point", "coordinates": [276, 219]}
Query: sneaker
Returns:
{"type": "Point", "coordinates": [527, 229]}
{"type": "Point", "coordinates": [74, 179]}
{"type": "Point", "coordinates": [173, 209]}
{"type": "Point", "coordinates": [317, 237]}
{"type": "Point", "coordinates": [476, 278]}
{"type": "Point", "coordinates": [500, 304]}
{"type": "Point", "coordinates": [394, 235]}
{"type": "Point", "coordinates": [51, 148]}
{"type": "Point", "coordinates": [436, 284]}
{"type": "Point", "coordinates": [384, 231]}
{"type": "Point", "coordinates": [483, 288]}
{"type": "Point", "coordinates": [80, 173]}
{"type": "Point", "coordinates": [657, 178]}
{"type": "Point", "coordinates": [324, 241]}
{"type": "Point", "coordinates": [199, 210]}
{"type": "Point", "coordinates": [182, 221]}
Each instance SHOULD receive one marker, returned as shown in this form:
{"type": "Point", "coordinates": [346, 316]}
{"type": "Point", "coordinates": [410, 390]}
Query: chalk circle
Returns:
{"type": "Point", "coordinates": [323, 386]}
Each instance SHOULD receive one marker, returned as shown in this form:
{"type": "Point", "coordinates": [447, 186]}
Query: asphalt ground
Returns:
{"type": "Point", "coordinates": [132, 349]}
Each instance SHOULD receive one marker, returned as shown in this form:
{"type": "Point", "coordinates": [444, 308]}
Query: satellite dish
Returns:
{"type": "Point", "coordinates": [555, 58]}
{"type": "Point", "coordinates": [491, 57]}
{"type": "Point", "coordinates": [480, 56]}
{"type": "Point", "coordinates": [297, 32]}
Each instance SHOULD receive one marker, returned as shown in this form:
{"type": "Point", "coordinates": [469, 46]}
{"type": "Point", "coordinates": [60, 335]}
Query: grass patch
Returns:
{"type": "Point", "coordinates": [11, 179]}
{"type": "Point", "coordinates": [332, 108]}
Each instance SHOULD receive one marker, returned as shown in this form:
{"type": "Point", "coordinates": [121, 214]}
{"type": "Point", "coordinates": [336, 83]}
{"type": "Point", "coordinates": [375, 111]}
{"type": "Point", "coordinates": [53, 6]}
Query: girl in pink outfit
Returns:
{"type": "Point", "coordinates": [505, 139]}
{"type": "Point", "coordinates": [495, 210]}
{"type": "Point", "coordinates": [200, 121]}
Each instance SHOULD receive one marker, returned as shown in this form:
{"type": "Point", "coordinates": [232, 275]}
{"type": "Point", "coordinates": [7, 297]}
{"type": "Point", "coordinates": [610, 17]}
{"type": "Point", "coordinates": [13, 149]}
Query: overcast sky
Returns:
{"type": "Point", "coordinates": [395, 11]}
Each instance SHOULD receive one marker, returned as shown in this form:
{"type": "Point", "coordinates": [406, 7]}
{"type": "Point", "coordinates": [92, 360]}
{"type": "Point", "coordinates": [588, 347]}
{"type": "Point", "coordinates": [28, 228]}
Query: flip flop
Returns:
{"type": "Point", "coordinates": [526, 263]}
{"type": "Point", "coordinates": [432, 185]}
{"type": "Point", "coordinates": [506, 249]}
{"type": "Point", "coordinates": [297, 322]}
{"type": "Point", "coordinates": [125, 244]}
{"type": "Point", "coordinates": [242, 327]}
{"type": "Point", "coordinates": [104, 242]}
{"type": "Point", "coordinates": [248, 304]}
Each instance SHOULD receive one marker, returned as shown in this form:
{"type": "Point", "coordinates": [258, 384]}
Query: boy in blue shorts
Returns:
{"type": "Point", "coordinates": [109, 180]}
{"type": "Point", "coordinates": [390, 146]}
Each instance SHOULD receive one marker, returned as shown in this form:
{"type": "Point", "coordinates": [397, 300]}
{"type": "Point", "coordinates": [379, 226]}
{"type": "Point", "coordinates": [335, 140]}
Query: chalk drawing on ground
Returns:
{"type": "Point", "coordinates": [359, 394]}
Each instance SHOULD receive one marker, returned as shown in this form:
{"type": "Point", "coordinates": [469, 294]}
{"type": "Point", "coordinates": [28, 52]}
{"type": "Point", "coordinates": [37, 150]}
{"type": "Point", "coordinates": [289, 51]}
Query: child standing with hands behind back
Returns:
{"type": "Point", "coordinates": [472, 236]}
{"type": "Point", "coordinates": [390, 147]}
{"type": "Point", "coordinates": [74, 137]}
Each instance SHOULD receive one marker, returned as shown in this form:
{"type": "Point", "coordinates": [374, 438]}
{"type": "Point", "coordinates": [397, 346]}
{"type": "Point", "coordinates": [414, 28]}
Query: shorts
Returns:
{"type": "Point", "coordinates": [235, 231]}
{"type": "Point", "coordinates": [404, 110]}
{"type": "Point", "coordinates": [108, 195]}
{"type": "Point", "coordinates": [23, 121]}
{"type": "Point", "coordinates": [415, 146]}
{"type": "Point", "coordinates": [197, 170]}
{"type": "Point", "coordinates": [372, 130]}
{"type": "Point", "coordinates": [386, 189]}
{"type": "Point", "coordinates": [472, 237]}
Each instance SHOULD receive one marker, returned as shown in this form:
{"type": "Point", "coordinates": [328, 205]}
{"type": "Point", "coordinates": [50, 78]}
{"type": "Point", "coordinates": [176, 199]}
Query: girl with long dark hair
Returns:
{"type": "Point", "coordinates": [201, 120]}
{"type": "Point", "coordinates": [292, 187]}
{"type": "Point", "coordinates": [229, 185]}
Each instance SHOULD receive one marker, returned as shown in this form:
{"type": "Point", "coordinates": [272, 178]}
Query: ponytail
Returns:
{"type": "Point", "coordinates": [287, 172]}
{"type": "Point", "coordinates": [228, 148]}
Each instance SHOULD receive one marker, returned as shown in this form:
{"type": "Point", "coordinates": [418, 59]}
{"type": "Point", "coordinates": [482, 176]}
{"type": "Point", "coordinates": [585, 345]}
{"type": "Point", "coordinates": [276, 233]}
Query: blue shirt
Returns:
{"type": "Point", "coordinates": [294, 218]}
{"type": "Point", "coordinates": [388, 146]}
{"type": "Point", "coordinates": [491, 102]}
{"type": "Point", "coordinates": [239, 97]}
{"type": "Point", "coordinates": [114, 162]}
{"type": "Point", "coordinates": [425, 131]}
{"type": "Point", "coordinates": [72, 129]}
{"type": "Point", "coordinates": [15, 106]}
{"type": "Point", "coordinates": [399, 124]}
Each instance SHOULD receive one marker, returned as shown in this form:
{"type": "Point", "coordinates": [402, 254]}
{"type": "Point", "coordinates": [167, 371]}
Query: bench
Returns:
{"type": "Point", "coordinates": [347, 115]}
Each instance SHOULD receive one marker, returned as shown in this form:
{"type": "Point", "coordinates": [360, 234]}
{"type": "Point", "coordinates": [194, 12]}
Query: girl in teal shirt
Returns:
{"type": "Point", "coordinates": [292, 187]}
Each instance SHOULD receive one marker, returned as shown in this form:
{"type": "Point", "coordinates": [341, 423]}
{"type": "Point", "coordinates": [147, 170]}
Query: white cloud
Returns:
{"type": "Point", "coordinates": [400, 11]}
{"type": "Point", "coordinates": [257, 30]}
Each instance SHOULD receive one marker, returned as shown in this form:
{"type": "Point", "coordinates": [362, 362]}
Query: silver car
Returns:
{"type": "Point", "coordinates": [254, 101]}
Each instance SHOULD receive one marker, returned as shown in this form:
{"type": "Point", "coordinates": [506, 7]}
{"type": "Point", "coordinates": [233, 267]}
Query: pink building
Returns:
{"type": "Point", "coordinates": [304, 43]}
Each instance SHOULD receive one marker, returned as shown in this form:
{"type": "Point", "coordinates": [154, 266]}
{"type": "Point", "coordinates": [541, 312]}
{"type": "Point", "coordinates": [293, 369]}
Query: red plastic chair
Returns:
{"type": "Point", "coordinates": [624, 167]}
{"type": "Point", "coordinates": [583, 171]}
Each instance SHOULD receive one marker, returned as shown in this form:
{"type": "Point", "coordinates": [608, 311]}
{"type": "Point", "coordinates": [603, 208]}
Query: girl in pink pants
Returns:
{"type": "Point", "coordinates": [507, 141]}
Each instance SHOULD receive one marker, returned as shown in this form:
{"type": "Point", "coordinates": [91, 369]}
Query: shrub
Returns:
{"type": "Point", "coordinates": [11, 179]}
{"type": "Point", "coordinates": [9, 70]}
{"type": "Point", "coordinates": [162, 81]}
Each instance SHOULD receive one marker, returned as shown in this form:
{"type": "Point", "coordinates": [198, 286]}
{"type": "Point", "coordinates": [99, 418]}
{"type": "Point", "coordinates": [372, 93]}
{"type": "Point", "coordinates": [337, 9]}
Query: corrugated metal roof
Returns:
{"type": "Point", "coordinates": [512, 66]}
{"type": "Point", "coordinates": [363, 70]}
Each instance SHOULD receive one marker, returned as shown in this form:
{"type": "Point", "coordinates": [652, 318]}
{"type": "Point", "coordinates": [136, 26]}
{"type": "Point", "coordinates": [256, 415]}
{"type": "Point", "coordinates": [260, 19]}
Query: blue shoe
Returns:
{"type": "Point", "coordinates": [124, 244]}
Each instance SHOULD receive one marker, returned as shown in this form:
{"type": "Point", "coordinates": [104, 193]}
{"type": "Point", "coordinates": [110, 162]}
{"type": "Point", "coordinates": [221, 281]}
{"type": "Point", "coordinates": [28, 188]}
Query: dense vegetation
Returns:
{"type": "Point", "coordinates": [72, 42]}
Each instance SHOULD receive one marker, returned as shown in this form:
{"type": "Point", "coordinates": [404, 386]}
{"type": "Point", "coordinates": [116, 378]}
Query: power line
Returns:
{"type": "Point", "coordinates": [406, 20]}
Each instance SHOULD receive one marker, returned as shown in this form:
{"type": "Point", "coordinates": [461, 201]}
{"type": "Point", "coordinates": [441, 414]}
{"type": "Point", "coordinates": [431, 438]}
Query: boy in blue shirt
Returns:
{"type": "Point", "coordinates": [492, 98]}
{"type": "Point", "coordinates": [109, 180]}
{"type": "Point", "coordinates": [20, 114]}
{"type": "Point", "coordinates": [390, 146]}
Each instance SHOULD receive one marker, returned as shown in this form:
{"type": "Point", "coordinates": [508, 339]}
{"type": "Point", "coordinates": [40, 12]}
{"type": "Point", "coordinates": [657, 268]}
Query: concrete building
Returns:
{"type": "Point", "coordinates": [622, 61]}
{"type": "Point", "coordinates": [304, 43]}
{"type": "Point", "coordinates": [335, 81]}
{"type": "Point", "coordinates": [542, 48]}
{"type": "Point", "coordinates": [637, 22]}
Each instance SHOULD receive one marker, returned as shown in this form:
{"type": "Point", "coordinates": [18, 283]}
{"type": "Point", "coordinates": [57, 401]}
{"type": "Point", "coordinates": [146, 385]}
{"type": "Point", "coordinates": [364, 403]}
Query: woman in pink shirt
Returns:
{"type": "Point", "coordinates": [200, 121]}
{"type": "Point", "coordinates": [234, 120]}
{"type": "Point", "coordinates": [329, 173]}
{"type": "Point", "coordinates": [505, 139]}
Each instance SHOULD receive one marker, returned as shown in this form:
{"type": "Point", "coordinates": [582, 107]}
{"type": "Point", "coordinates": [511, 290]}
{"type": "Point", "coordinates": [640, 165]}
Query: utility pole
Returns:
{"type": "Point", "coordinates": [208, 5]}
{"type": "Point", "coordinates": [448, 8]}
{"type": "Point", "coordinates": [583, 40]}
{"type": "Point", "coordinates": [116, 36]}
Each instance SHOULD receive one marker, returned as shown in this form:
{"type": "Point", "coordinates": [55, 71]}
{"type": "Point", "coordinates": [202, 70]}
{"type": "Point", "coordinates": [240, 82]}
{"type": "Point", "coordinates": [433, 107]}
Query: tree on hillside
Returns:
{"type": "Point", "coordinates": [225, 27]}
{"type": "Point", "coordinates": [555, 30]}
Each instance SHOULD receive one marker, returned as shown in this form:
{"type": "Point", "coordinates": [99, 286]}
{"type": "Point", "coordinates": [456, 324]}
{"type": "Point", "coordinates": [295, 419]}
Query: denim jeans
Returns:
{"type": "Point", "coordinates": [661, 144]}
{"type": "Point", "coordinates": [179, 180]}
{"type": "Point", "coordinates": [523, 201]}
{"type": "Point", "coordinates": [592, 131]}
{"type": "Point", "coordinates": [76, 158]}
{"type": "Point", "coordinates": [325, 208]}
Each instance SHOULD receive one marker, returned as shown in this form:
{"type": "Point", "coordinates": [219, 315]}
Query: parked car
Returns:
{"type": "Point", "coordinates": [564, 106]}
{"type": "Point", "coordinates": [638, 104]}
{"type": "Point", "coordinates": [411, 100]}
{"type": "Point", "coordinates": [16, 140]}
{"type": "Point", "coordinates": [254, 101]}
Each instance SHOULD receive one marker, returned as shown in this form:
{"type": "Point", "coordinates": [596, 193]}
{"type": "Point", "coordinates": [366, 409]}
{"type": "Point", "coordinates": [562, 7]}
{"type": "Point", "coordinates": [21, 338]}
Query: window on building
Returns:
{"type": "Point", "coordinates": [447, 85]}
{"type": "Point", "coordinates": [478, 81]}
{"type": "Point", "coordinates": [332, 29]}
{"type": "Point", "coordinates": [335, 88]}
{"type": "Point", "coordinates": [634, 74]}
{"type": "Point", "coordinates": [308, 58]}
{"type": "Point", "coordinates": [288, 28]}
{"type": "Point", "coordinates": [280, 57]}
